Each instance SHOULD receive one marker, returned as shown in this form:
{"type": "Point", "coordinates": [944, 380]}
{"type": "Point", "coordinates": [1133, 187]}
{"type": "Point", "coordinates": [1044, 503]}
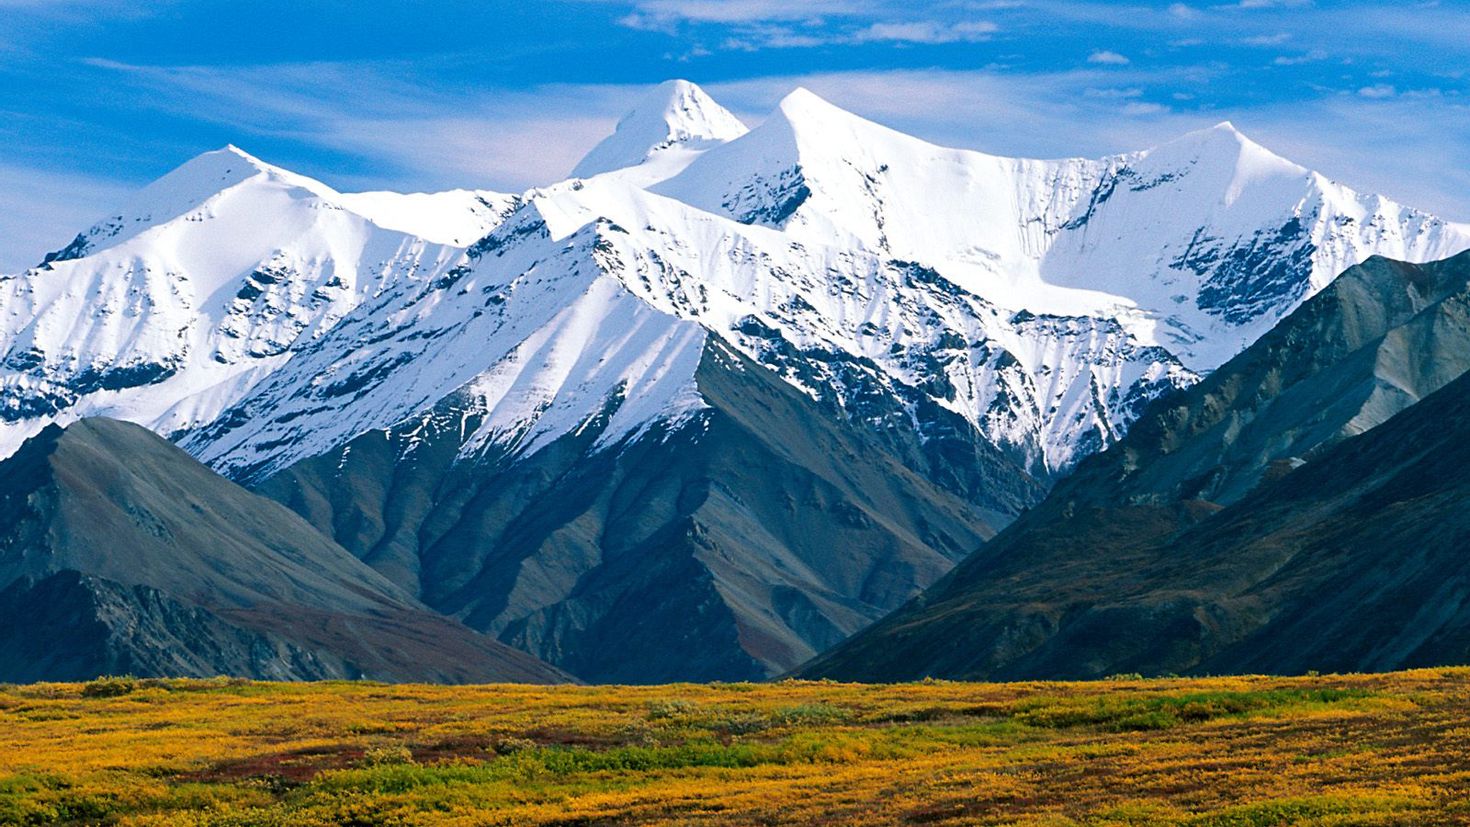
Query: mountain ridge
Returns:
{"type": "Point", "coordinates": [1127, 565]}
{"type": "Point", "coordinates": [572, 553]}
{"type": "Point", "coordinates": [1010, 391]}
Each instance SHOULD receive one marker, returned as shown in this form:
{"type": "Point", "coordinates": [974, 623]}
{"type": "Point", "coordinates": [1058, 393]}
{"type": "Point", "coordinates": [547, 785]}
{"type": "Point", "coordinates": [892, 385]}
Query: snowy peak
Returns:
{"type": "Point", "coordinates": [184, 191]}
{"type": "Point", "coordinates": [815, 131]}
{"type": "Point", "coordinates": [211, 183]}
{"type": "Point", "coordinates": [676, 115]}
{"type": "Point", "coordinates": [174, 307]}
{"type": "Point", "coordinates": [801, 102]}
{"type": "Point", "coordinates": [692, 115]}
{"type": "Point", "coordinates": [803, 108]}
{"type": "Point", "coordinates": [204, 176]}
{"type": "Point", "coordinates": [1223, 145]}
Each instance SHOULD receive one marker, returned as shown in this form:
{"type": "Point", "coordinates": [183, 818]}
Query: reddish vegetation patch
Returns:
{"type": "Point", "coordinates": [294, 766]}
{"type": "Point", "coordinates": [551, 737]}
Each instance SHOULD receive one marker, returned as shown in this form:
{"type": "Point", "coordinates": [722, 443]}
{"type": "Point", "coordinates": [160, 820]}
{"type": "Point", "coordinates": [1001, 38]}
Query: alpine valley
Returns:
{"type": "Point", "coordinates": [722, 400]}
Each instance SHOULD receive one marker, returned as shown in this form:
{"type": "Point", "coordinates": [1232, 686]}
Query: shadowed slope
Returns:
{"type": "Point", "coordinates": [731, 545]}
{"type": "Point", "coordinates": [1194, 546]}
{"type": "Point", "coordinates": [120, 553]}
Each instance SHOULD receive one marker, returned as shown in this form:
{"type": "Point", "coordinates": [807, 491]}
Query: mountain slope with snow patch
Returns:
{"type": "Point", "coordinates": [172, 309]}
{"type": "Point", "coordinates": [526, 365]}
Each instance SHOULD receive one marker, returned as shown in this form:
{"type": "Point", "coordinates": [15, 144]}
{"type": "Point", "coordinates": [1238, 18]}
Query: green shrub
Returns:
{"type": "Point", "coordinates": [741, 723]}
{"type": "Point", "coordinates": [676, 708]}
{"type": "Point", "coordinates": [110, 687]}
{"type": "Point", "coordinates": [510, 745]}
{"type": "Point", "coordinates": [637, 733]}
{"type": "Point", "coordinates": [1123, 713]}
{"type": "Point", "coordinates": [810, 715]}
{"type": "Point", "coordinates": [386, 756]}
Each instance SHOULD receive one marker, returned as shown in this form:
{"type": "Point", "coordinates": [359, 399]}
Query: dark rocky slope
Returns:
{"type": "Point", "coordinates": [119, 553]}
{"type": "Point", "coordinates": [1233, 528]}
{"type": "Point", "coordinates": [734, 545]}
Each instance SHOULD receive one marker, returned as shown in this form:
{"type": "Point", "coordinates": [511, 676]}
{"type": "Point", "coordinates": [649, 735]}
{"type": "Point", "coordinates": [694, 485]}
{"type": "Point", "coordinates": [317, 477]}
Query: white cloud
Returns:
{"type": "Point", "coordinates": [927, 32]}
{"type": "Point", "coordinates": [1268, 4]}
{"type": "Point", "coordinates": [1267, 39]}
{"type": "Point", "coordinates": [1313, 56]}
{"type": "Point", "coordinates": [647, 23]}
{"type": "Point", "coordinates": [1378, 90]}
{"type": "Point", "coordinates": [763, 24]}
{"type": "Point", "coordinates": [1114, 93]}
{"type": "Point", "coordinates": [1108, 58]}
{"type": "Point", "coordinates": [747, 11]}
{"type": "Point", "coordinates": [1140, 108]}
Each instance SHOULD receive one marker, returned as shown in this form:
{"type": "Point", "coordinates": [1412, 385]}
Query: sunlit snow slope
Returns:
{"type": "Point", "coordinates": [263, 318]}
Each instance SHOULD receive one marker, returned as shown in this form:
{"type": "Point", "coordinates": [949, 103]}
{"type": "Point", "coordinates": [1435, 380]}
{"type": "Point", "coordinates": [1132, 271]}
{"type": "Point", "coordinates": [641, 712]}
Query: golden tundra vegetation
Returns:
{"type": "Point", "coordinates": [1349, 749]}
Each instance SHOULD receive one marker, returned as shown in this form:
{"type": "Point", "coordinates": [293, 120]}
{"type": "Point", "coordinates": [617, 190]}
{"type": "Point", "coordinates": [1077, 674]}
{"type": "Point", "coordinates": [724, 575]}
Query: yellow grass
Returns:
{"type": "Point", "coordinates": [1361, 749]}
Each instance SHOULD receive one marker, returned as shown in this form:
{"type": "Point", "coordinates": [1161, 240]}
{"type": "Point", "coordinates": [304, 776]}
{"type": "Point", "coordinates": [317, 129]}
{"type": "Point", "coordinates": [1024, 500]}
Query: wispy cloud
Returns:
{"type": "Point", "coordinates": [927, 32]}
{"type": "Point", "coordinates": [751, 25]}
{"type": "Point", "coordinates": [748, 11]}
{"type": "Point", "coordinates": [1108, 58]}
{"type": "Point", "coordinates": [41, 210]}
{"type": "Point", "coordinates": [1267, 39]}
{"type": "Point", "coordinates": [417, 135]}
{"type": "Point", "coordinates": [1313, 56]}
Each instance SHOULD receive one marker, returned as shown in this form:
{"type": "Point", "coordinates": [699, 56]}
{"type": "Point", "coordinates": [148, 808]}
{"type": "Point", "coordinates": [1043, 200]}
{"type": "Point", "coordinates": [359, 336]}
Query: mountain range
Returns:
{"type": "Point", "coordinates": [1293, 511]}
{"type": "Point", "coordinates": [728, 396]}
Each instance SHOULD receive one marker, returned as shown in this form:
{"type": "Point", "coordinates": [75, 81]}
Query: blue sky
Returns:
{"type": "Point", "coordinates": [97, 97]}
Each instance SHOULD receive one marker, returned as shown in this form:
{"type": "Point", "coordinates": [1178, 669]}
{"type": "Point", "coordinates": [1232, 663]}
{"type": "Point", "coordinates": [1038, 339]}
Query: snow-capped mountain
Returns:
{"type": "Point", "coordinates": [1196, 247]}
{"type": "Point", "coordinates": [172, 309]}
{"type": "Point", "coordinates": [975, 315]}
{"type": "Point", "coordinates": [1045, 301]}
{"type": "Point", "coordinates": [672, 125]}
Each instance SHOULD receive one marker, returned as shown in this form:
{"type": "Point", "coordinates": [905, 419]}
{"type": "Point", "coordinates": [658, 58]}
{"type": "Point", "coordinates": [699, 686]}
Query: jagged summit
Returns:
{"type": "Point", "coordinates": [675, 113]}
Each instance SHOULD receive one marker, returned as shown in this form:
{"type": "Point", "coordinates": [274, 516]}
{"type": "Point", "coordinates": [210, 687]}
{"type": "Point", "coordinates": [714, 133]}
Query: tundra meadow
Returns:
{"type": "Point", "coordinates": [1350, 749]}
